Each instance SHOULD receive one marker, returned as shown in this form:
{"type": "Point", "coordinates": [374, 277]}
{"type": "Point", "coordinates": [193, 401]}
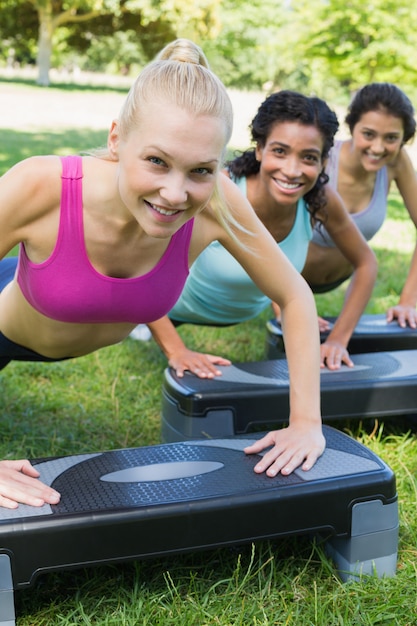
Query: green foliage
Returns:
{"type": "Point", "coordinates": [114, 54]}
{"type": "Point", "coordinates": [243, 53]}
{"type": "Point", "coordinates": [316, 46]}
{"type": "Point", "coordinates": [153, 23]}
{"type": "Point", "coordinates": [18, 31]}
{"type": "Point", "coordinates": [360, 42]}
{"type": "Point", "coordinates": [329, 47]}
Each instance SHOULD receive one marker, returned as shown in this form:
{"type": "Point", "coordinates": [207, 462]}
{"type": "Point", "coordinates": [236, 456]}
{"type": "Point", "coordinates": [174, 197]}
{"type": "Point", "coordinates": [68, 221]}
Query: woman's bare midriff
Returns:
{"type": "Point", "coordinates": [325, 265]}
{"type": "Point", "coordinates": [22, 324]}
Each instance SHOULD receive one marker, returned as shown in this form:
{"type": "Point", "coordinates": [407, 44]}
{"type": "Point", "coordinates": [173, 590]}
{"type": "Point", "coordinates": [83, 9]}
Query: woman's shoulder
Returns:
{"type": "Point", "coordinates": [402, 161]}
{"type": "Point", "coordinates": [401, 169]}
{"type": "Point", "coordinates": [37, 163]}
{"type": "Point", "coordinates": [37, 172]}
{"type": "Point", "coordinates": [334, 214]}
{"type": "Point", "coordinates": [29, 191]}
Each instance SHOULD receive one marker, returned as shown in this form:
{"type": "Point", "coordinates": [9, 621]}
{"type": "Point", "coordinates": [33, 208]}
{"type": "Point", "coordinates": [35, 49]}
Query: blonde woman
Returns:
{"type": "Point", "coordinates": [106, 242]}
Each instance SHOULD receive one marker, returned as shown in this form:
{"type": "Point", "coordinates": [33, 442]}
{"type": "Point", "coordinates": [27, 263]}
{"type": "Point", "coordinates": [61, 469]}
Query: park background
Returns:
{"type": "Point", "coordinates": [112, 399]}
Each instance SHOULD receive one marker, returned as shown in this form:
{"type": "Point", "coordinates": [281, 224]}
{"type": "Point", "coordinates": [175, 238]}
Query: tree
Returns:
{"type": "Point", "coordinates": [165, 18]}
{"type": "Point", "coordinates": [360, 42]}
{"type": "Point", "coordinates": [318, 47]}
{"type": "Point", "coordinates": [18, 28]}
{"type": "Point", "coordinates": [244, 51]}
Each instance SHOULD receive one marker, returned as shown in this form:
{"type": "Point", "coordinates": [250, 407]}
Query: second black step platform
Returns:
{"type": "Point", "coordinates": [372, 334]}
{"type": "Point", "coordinates": [255, 395]}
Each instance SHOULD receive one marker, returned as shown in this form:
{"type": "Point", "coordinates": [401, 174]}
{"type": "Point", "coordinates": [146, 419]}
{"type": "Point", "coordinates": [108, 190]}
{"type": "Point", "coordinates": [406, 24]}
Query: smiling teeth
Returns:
{"type": "Point", "coordinates": [164, 211]}
{"type": "Point", "coordinates": [288, 185]}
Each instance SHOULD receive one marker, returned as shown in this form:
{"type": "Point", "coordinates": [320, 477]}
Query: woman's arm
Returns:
{"type": "Point", "coordinates": [179, 356]}
{"type": "Point", "coordinates": [26, 198]}
{"type": "Point", "coordinates": [302, 442]}
{"type": "Point", "coordinates": [355, 249]}
{"type": "Point", "coordinates": [406, 180]}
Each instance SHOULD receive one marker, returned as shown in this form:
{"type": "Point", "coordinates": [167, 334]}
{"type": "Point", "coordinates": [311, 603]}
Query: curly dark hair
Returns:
{"type": "Point", "coordinates": [290, 106]}
{"type": "Point", "coordinates": [383, 97]}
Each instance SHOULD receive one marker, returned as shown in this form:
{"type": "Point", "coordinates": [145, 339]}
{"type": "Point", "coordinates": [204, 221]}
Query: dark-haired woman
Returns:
{"type": "Point", "coordinates": [361, 169]}
{"type": "Point", "coordinates": [283, 178]}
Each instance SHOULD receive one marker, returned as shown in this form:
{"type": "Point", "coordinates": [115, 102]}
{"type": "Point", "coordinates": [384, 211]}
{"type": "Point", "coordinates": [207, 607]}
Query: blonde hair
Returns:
{"type": "Point", "coordinates": [180, 75]}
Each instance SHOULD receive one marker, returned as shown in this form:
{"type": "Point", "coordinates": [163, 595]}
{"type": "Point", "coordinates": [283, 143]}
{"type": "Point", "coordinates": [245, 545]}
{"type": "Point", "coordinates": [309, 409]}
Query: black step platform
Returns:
{"type": "Point", "coordinates": [372, 334]}
{"type": "Point", "coordinates": [172, 498]}
{"type": "Point", "coordinates": [255, 395]}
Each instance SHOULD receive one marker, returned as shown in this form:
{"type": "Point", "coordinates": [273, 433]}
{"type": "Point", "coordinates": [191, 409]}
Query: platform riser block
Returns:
{"type": "Point", "coordinates": [7, 611]}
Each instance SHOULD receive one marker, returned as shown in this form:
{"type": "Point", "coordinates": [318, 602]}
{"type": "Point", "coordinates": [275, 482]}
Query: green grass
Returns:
{"type": "Point", "coordinates": [112, 399]}
{"type": "Point", "coordinates": [61, 142]}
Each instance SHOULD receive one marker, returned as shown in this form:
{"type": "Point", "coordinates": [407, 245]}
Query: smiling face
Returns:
{"type": "Point", "coordinates": [290, 161]}
{"type": "Point", "coordinates": [168, 166]}
{"type": "Point", "coordinates": [377, 139]}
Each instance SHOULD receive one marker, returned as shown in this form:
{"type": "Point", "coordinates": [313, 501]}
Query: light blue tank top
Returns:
{"type": "Point", "coordinates": [219, 291]}
{"type": "Point", "coordinates": [370, 220]}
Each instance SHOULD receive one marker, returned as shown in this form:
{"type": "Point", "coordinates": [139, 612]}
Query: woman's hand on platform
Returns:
{"type": "Point", "coordinates": [324, 325]}
{"type": "Point", "coordinates": [291, 447]}
{"type": "Point", "coordinates": [202, 365]}
{"type": "Point", "coordinates": [333, 354]}
{"type": "Point", "coordinates": [405, 315]}
{"type": "Point", "coordinates": [19, 483]}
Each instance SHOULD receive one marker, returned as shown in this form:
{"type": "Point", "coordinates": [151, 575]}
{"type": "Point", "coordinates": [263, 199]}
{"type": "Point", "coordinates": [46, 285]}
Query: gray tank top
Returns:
{"type": "Point", "coordinates": [370, 220]}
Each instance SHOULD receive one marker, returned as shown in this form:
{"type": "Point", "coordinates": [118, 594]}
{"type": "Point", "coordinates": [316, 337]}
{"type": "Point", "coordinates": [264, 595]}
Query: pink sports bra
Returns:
{"type": "Point", "coordinates": [67, 288]}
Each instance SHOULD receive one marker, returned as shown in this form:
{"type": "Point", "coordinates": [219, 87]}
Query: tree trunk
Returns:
{"type": "Point", "coordinates": [46, 32]}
